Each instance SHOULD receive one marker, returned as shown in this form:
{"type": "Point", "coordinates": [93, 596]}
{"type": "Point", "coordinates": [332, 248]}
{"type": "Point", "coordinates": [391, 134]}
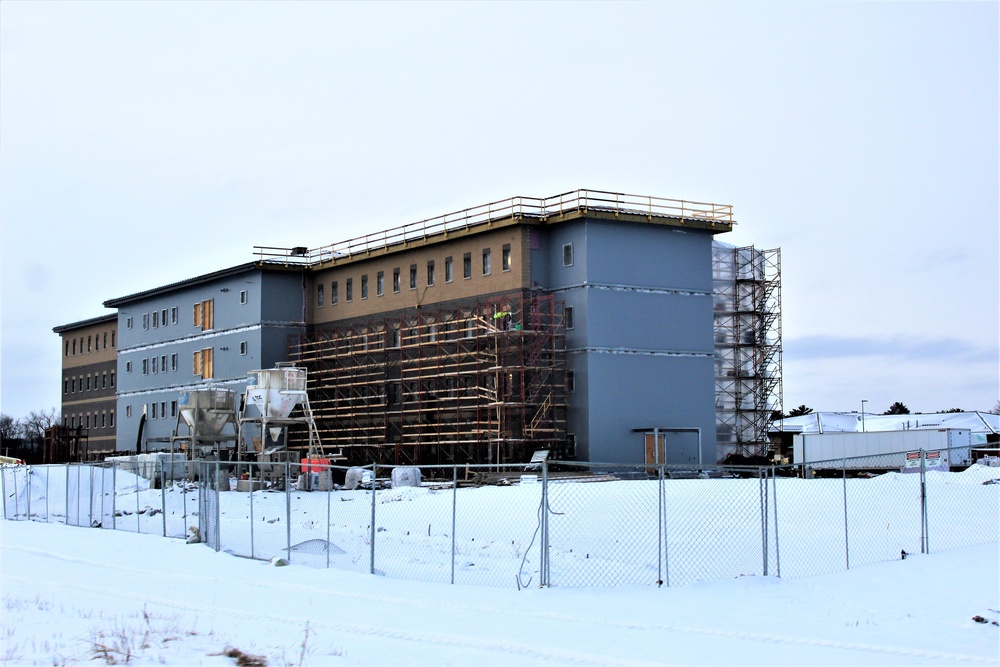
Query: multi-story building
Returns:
{"type": "Point", "coordinates": [581, 323]}
{"type": "Point", "coordinates": [207, 330]}
{"type": "Point", "coordinates": [610, 298]}
{"type": "Point", "coordinates": [89, 383]}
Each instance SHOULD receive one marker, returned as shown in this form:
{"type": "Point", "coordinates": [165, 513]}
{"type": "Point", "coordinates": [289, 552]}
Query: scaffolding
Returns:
{"type": "Point", "coordinates": [480, 384]}
{"type": "Point", "coordinates": [747, 305]}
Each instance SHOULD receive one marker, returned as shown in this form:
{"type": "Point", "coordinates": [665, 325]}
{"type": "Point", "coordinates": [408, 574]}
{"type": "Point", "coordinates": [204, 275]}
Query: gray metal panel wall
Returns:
{"type": "Point", "coordinates": [642, 345]}
{"type": "Point", "coordinates": [237, 320]}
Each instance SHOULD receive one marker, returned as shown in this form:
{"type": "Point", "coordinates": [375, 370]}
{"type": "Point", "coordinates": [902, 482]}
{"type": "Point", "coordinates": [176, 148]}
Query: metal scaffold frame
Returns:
{"type": "Point", "coordinates": [748, 384]}
{"type": "Point", "coordinates": [482, 384]}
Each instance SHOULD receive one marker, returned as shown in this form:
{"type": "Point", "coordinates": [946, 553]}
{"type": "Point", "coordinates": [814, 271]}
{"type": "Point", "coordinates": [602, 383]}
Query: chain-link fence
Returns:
{"type": "Point", "coordinates": [556, 523]}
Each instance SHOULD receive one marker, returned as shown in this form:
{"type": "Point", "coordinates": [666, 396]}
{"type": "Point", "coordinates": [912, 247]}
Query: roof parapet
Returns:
{"type": "Point", "coordinates": [715, 217]}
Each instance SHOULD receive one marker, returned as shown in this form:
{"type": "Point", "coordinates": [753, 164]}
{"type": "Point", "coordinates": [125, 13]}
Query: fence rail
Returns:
{"type": "Point", "coordinates": [720, 215]}
{"type": "Point", "coordinates": [560, 523]}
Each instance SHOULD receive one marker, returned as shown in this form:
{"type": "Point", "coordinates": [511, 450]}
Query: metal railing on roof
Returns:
{"type": "Point", "coordinates": [720, 215]}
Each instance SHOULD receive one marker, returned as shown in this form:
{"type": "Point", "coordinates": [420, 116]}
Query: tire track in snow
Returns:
{"type": "Point", "coordinates": [555, 616]}
{"type": "Point", "coordinates": [450, 640]}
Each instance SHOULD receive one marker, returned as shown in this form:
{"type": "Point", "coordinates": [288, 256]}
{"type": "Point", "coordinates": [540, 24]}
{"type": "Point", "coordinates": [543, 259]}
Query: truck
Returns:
{"type": "Point", "coordinates": [882, 451]}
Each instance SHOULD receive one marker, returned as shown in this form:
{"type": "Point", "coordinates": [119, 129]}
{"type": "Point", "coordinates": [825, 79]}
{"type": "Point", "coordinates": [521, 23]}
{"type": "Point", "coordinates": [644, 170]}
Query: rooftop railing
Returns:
{"type": "Point", "coordinates": [714, 215]}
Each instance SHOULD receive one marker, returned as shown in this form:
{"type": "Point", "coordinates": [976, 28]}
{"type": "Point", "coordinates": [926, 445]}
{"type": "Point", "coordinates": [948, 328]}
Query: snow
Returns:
{"type": "Point", "coordinates": [71, 595]}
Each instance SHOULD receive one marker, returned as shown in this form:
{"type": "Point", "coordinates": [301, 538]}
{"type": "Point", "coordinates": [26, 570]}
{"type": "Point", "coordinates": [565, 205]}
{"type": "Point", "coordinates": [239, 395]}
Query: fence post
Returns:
{"type": "Point", "coordinates": [847, 538]}
{"type": "Point", "coordinates": [762, 489]}
{"type": "Point", "coordinates": [666, 526]}
{"type": "Point", "coordinates": [217, 528]}
{"type": "Point", "coordinates": [16, 503]}
{"type": "Point", "coordinates": [253, 553]}
{"type": "Point", "coordinates": [777, 542]}
{"type": "Point", "coordinates": [288, 511]}
{"type": "Point", "coordinates": [543, 576]}
{"type": "Point", "coordinates": [329, 491]}
{"type": "Point", "coordinates": [371, 532]}
{"type": "Point", "coordinates": [66, 515]}
{"type": "Point", "coordinates": [163, 492]}
{"type": "Point", "coordinates": [114, 496]}
{"type": "Point", "coordinates": [454, 515]}
{"type": "Point", "coordinates": [924, 546]}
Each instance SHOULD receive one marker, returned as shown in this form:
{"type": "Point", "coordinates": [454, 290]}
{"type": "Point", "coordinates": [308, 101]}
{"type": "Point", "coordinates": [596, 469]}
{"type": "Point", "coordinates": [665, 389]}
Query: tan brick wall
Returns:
{"type": "Point", "coordinates": [96, 352]}
{"type": "Point", "coordinates": [424, 295]}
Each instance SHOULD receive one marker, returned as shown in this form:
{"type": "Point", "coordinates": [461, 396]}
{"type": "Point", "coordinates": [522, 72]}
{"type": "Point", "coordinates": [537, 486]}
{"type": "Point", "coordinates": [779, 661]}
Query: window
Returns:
{"type": "Point", "coordinates": [349, 290]}
{"type": "Point", "coordinates": [112, 379]}
{"type": "Point", "coordinates": [156, 319]}
{"type": "Point", "coordinates": [486, 261]}
{"type": "Point", "coordinates": [128, 366]}
{"type": "Point", "coordinates": [163, 409]}
{"type": "Point", "coordinates": [88, 420]}
{"type": "Point", "coordinates": [243, 296]}
{"type": "Point", "coordinates": [104, 420]}
{"type": "Point", "coordinates": [570, 381]}
{"type": "Point", "coordinates": [243, 347]}
{"type": "Point", "coordinates": [448, 275]}
{"type": "Point", "coordinates": [112, 339]}
{"type": "Point", "coordinates": [111, 419]}
{"type": "Point", "coordinates": [89, 348]}
{"type": "Point", "coordinates": [333, 293]}
{"type": "Point", "coordinates": [145, 366]}
{"type": "Point", "coordinates": [128, 411]}
{"type": "Point", "coordinates": [163, 364]}
{"type": "Point", "coordinates": [74, 347]}
{"type": "Point", "coordinates": [152, 411]}
{"type": "Point", "coordinates": [430, 273]}
{"type": "Point", "coordinates": [568, 254]}
{"type": "Point", "coordinates": [154, 365]}
{"type": "Point", "coordinates": [104, 380]}
{"type": "Point", "coordinates": [163, 317]}
{"type": "Point", "coordinates": [319, 295]}
{"type": "Point", "coordinates": [568, 313]}
{"type": "Point", "coordinates": [364, 286]}
{"type": "Point", "coordinates": [380, 283]}
{"type": "Point", "coordinates": [128, 325]}
{"type": "Point", "coordinates": [204, 314]}
{"type": "Point", "coordinates": [145, 321]}
{"type": "Point", "coordinates": [203, 363]}
{"type": "Point", "coordinates": [65, 386]}
{"type": "Point", "coordinates": [173, 408]}
{"type": "Point", "coordinates": [467, 265]}
{"type": "Point", "coordinates": [505, 258]}
{"type": "Point", "coordinates": [66, 353]}
{"type": "Point", "coordinates": [173, 317]}
{"type": "Point", "coordinates": [105, 340]}
{"type": "Point", "coordinates": [395, 281]}
{"type": "Point", "coordinates": [88, 383]}
{"type": "Point", "coordinates": [413, 276]}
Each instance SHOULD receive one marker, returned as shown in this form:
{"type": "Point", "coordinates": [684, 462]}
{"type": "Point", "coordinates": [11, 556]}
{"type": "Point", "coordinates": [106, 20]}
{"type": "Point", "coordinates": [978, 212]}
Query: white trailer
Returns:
{"type": "Point", "coordinates": [882, 450]}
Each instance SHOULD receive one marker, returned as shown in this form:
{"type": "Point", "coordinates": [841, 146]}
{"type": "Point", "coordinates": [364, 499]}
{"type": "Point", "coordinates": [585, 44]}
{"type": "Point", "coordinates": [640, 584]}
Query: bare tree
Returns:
{"type": "Point", "coordinates": [37, 421]}
{"type": "Point", "coordinates": [10, 428]}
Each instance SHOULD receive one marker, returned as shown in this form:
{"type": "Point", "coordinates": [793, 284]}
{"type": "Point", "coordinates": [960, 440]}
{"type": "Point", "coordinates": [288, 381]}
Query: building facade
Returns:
{"type": "Point", "coordinates": [89, 384]}
{"type": "Point", "coordinates": [582, 323]}
{"type": "Point", "coordinates": [203, 332]}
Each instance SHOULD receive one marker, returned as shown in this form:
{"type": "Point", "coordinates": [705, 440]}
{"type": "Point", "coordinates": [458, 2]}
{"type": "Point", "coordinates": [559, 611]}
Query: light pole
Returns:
{"type": "Point", "coordinates": [863, 401]}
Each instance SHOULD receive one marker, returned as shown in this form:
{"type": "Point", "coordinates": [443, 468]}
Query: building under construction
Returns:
{"type": "Point", "coordinates": [479, 384]}
{"type": "Point", "coordinates": [747, 305]}
{"type": "Point", "coordinates": [580, 323]}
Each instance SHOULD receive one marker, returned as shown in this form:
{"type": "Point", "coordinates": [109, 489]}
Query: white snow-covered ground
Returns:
{"type": "Point", "coordinates": [71, 595]}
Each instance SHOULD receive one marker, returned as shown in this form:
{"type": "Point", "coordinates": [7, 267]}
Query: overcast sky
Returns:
{"type": "Point", "coordinates": [144, 143]}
